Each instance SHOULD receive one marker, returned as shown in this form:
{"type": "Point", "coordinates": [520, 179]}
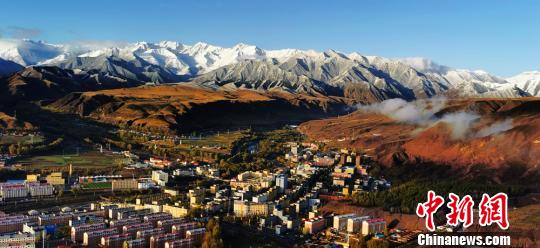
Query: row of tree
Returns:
{"type": "Point", "coordinates": [404, 197]}
{"type": "Point", "coordinates": [21, 149]}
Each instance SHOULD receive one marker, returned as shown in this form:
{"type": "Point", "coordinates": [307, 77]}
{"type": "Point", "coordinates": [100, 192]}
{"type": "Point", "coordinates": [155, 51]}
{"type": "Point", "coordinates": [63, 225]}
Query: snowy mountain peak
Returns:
{"type": "Point", "coordinates": [171, 45]}
{"type": "Point", "coordinates": [358, 57]}
{"type": "Point", "coordinates": [329, 66]}
{"type": "Point", "coordinates": [528, 81]}
{"type": "Point", "coordinates": [28, 52]}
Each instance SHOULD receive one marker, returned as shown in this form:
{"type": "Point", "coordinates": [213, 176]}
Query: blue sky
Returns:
{"type": "Point", "coordinates": [500, 36]}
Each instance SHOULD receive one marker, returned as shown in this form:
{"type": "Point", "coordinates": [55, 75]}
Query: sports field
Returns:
{"type": "Point", "coordinates": [100, 185]}
{"type": "Point", "coordinates": [87, 159]}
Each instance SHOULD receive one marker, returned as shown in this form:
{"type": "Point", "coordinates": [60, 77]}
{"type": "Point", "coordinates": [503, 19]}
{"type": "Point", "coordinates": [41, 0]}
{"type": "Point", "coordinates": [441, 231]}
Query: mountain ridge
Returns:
{"type": "Point", "coordinates": [248, 66]}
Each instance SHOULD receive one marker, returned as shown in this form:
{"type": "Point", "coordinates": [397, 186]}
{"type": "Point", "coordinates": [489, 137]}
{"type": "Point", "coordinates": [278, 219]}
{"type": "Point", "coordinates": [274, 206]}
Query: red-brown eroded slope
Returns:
{"type": "Point", "coordinates": [394, 142]}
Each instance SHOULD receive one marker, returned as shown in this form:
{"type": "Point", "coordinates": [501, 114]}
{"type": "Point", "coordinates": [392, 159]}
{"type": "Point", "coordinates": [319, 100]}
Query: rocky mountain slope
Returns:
{"type": "Point", "coordinates": [10, 122]}
{"type": "Point", "coordinates": [8, 67]}
{"type": "Point", "coordinates": [49, 83]}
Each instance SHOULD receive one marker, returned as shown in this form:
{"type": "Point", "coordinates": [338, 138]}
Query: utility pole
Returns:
{"type": "Point", "coordinates": [43, 236]}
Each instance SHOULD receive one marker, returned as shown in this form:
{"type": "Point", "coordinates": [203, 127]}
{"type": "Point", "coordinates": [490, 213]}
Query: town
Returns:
{"type": "Point", "coordinates": [174, 204]}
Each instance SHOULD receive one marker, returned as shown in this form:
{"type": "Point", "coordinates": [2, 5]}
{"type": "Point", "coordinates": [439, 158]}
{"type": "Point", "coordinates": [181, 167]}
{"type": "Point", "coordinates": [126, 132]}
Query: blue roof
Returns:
{"type": "Point", "coordinates": [15, 181]}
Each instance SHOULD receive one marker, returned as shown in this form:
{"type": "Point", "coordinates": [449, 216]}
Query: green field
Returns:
{"type": "Point", "coordinates": [15, 139]}
{"type": "Point", "coordinates": [224, 139]}
{"type": "Point", "coordinates": [91, 186]}
{"type": "Point", "coordinates": [88, 159]}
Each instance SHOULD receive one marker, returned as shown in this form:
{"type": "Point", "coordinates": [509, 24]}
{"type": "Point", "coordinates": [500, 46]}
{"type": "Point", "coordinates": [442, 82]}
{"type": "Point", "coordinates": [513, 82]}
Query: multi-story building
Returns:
{"type": "Point", "coordinates": [55, 178]}
{"type": "Point", "coordinates": [160, 177]}
{"type": "Point", "coordinates": [115, 241]}
{"type": "Point", "coordinates": [78, 231]}
{"type": "Point", "coordinates": [54, 219]}
{"type": "Point", "coordinates": [13, 223]}
{"type": "Point", "coordinates": [124, 184]}
{"type": "Point", "coordinates": [245, 208]}
{"type": "Point", "coordinates": [39, 189]}
{"type": "Point", "coordinates": [354, 224]}
{"type": "Point", "coordinates": [135, 243]}
{"type": "Point", "coordinates": [167, 224]}
{"type": "Point", "coordinates": [87, 217]}
{"type": "Point", "coordinates": [181, 229]}
{"type": "Point", "coordinates": [154, 208]}
{"type": "Point", "coordinates": [13, 190]}
{"type": "Point", "coordinates": [252, 180]}
{"type": "Point", "coordinates": [22, 240]}
{"type": "Point", "coordinates": [158, 241]}
{"type": "Point", "coordinates": [146, 184]}
{"type": "Point", "coordinates": [146, 234]}
{"type": "Point", "coordinates": [282, 182]}
{"type": "Point", "coordinates": [133, 229]}
{"type": "Point", "coordinates": [92, 238]}
{"type": "Point", "coordinates": [92, 214]}
{"type": "Point", "coordinates": [181, 243]}
{"type": "Point", "coordinates": [373, 226]}
{"type": "Point", "coordinates": [119, 224]}
{"type": "Point", "coordinates": [136, 213]}
{"type": "Point", "coordinates": [113, 212]}
{"type": "Point", "coordinates": [30, 178]}
{"type": "Point", "coordinates": [340, 221]}
{"type": "Point", "coordinates": [196, 196]}
{"type": "Point", "coordinates": [155, 217]}
{"type": "Point", "coordinates": [314, 225]}
{"type": "Point", "coordinates": [196, 235]}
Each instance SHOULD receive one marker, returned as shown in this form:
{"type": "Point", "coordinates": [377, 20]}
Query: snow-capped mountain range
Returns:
{"type": "Point", "coordinates": [247, 66]}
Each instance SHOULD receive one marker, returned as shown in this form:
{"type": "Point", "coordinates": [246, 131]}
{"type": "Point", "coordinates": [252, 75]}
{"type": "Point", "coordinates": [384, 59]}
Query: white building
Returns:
{"type": "Point", "coordinates": [282, 182]}
{"type": "Point", "coordinates": [161, 178]}
{"type": "Point", "coordinates": [354, 225]}
{"type": "Point", "coordinates": [13, 190]}
{"type": "Point", "coordinates": [340, 221]}
{"type": "Point", "coordinates": [262, 198]}
{"type": "Point", "coordinates": [373, 226]}
{"type": "Point", "coordinates": [40, 189]}
{"type": "Point", "coordinates": [184, 172]}
{"type": "Point", "coordinates": [23, 240]}
{"type": "Point", "coordinates": [145, 184]}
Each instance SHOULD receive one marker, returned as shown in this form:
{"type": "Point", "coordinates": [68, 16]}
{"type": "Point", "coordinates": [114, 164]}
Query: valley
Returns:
{"type": "Point", "coordinates": [364, 135]}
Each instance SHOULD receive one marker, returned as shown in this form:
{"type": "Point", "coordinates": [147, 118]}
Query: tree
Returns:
{"type": "Point", "coordinates": [62, 232]}
{"type": "Point", "coordinates": [194, 212]}
{"type": "Point", "coordinates": [212, 237]}
{"type": "Point", "coordinates": [358, 241]}
{"type": "Point", "coordinates": [386, 232]}
{"type": "Point", "coordinates": [12, 149]}
{"type": "Point", "coordinates": [378, 243]}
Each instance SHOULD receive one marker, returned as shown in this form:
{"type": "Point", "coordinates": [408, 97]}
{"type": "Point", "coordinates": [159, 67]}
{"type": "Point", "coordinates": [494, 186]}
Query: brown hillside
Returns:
{"type": "Point", "coordinates": [9, 122]}
{"type": "Point", "coordinates": [517, 150]}
{"type": "Point", "coordinates": [186, 108]}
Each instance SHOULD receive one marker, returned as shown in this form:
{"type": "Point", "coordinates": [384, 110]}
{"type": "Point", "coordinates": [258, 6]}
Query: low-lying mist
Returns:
{"type": "Point", "coordinates": [424, 114]}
